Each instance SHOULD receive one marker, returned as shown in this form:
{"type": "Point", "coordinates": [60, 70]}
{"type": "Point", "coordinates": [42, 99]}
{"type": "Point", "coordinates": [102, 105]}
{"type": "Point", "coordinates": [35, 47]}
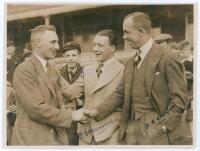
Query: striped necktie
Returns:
{"type": "Point", "coordinates": [137, 57]}
{"type": "Point", "coordinates": [99, 69]}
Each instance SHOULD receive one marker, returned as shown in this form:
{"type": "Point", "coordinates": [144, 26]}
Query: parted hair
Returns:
{"type": "Point", "coordinates": [113, 38]}
{"type": "Point", "coordinates": [140, 21]}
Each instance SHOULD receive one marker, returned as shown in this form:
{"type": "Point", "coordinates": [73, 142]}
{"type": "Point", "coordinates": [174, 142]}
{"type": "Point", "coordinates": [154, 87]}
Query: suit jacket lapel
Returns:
{"type": "Point", "coordinates": [153, 59]}
{"type": "Point", "coordinates": [108, 74]}
{"type": "Point", "coordinates": [129, 69]}
{"type": "Point", "coordinates": [90, 78]}
{"type": "Point", "coordinates": [43, 74]}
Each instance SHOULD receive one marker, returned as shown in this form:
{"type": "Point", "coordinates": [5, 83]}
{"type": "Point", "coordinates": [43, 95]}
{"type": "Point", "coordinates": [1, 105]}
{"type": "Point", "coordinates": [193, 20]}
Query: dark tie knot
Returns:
{"type": "Point", "coordinates": [99, 68]}
{"type": "Point", "coordinates": [137, 56]}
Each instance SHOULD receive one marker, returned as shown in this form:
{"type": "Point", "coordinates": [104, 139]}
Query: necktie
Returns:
{"type": "Point", "coordinates": [99, 69]}
{"type": "Point", "coordinates": [47, 67]}
{"type": "Point", "coordinates": [137, 57]}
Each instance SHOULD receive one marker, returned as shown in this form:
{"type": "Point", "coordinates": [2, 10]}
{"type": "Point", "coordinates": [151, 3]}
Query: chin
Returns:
{"type": "Point", "coordinates": [72, 65]}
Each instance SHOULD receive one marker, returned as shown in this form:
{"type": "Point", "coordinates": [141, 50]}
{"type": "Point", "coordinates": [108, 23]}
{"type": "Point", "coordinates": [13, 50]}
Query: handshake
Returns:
{"type": "Point", "coordinates": [82, 115]}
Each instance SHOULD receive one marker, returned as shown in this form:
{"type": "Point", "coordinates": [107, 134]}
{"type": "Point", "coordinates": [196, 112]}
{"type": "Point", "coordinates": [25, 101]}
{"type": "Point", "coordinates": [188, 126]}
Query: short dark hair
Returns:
{"type": "Point", "coordinates": [113, 38]}
{"type": "Point", "coordinates": [70, 46]}
{"type": "Point", "coordinates": [140, 20]}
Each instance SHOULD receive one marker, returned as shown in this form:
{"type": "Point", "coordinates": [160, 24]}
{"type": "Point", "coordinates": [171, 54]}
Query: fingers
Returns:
{"type": "Point", "coordinates": [86, 112]}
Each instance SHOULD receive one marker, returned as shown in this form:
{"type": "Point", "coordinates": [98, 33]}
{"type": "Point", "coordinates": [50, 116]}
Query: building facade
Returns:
{"type": "Point", "coordinates": [80, 22]}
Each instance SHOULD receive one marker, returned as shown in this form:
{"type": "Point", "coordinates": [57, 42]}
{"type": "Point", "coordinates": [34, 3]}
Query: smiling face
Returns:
{"type": "Point", "coordinates": [102, 48]}
{"type": "Point", "coordinates": [71, 57]}
{"type": "Point", "coordinates": [47, 44]}
{"type": "Point", "coordinates": [131, 35]}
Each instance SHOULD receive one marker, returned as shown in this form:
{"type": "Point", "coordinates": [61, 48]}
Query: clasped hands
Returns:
{"type": "Point", "coordinates": [82, 115]}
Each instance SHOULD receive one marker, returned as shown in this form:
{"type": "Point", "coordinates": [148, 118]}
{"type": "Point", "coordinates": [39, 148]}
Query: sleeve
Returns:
{"type": "Point", "coordinates": [112, 102]}
{"type": "Point", "coordinates": [177, 90]}
{"type": "Point", "coordinates": [71, 91]}
{"type": "Point", "coordinates": [33, 102]}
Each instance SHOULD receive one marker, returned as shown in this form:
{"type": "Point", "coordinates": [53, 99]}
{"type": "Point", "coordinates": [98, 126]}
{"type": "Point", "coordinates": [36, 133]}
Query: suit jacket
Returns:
{"type": "Point", "coordinates": [96, 91]}
{"type": "Point", "coordinates": [40, 119]}
{"type": "Point", "coordinates": [166, 89]}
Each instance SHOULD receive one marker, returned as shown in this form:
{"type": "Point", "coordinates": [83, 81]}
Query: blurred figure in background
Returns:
{"type": "Point", "coordinates": [163, 39]}
{"type": "Point", "coordinates": [11, 102]}
{"type": "Point", "coordinates": [185, 52]}
{"type": "Point", "coordinates": [12, 60]}
{"type": "Point", "coordinates": [187, 59]}
{"type": "Point", "coordinates": [72, 72]}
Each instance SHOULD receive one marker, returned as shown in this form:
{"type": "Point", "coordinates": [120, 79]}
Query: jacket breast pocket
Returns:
{"type": "Point", "coordinates": [159, 85]}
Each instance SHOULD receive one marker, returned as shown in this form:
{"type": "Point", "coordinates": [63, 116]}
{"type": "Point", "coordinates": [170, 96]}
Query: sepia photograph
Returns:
{"type": "Point", "coordinates": [99, 74]}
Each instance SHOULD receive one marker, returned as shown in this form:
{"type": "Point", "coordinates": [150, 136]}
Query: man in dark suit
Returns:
{"type": "Point", "coordinates": [153, 91]}
{"type": "Point", "coordinates": [41, 118]}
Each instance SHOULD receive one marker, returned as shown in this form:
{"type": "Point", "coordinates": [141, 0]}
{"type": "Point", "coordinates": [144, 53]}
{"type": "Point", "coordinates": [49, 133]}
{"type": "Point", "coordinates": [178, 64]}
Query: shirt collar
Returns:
{"type": "Point", "coordinates": [145, 49]}
{"type": "Point", "coordinates": [73, 71]}
{"type": "Point", "coordinates": [42, 61]}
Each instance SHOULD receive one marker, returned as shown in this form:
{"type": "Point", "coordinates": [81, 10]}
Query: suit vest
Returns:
{"type": "Point", "coordinates": [140, 104]}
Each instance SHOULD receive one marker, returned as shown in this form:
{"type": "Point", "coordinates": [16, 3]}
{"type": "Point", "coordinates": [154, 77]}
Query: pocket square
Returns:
{"type": "Point", "coordinates": [157, 73]}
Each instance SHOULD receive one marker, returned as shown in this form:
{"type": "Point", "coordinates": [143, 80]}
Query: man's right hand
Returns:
{"type": "Point", "coordinates": [78, 116]}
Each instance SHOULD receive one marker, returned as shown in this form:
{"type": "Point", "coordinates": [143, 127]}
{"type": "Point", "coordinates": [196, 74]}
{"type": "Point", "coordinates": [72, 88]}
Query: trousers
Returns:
{"type": "Point", "coordinates": [137, 133]}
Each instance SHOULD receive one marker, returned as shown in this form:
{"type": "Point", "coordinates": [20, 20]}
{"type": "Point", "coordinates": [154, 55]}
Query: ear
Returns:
{"type": "Point", "coordinates": [38, 43]}
{"type": "Point", "coordinates": [113, 48]}
{"type": "Point", "coordinates": [142, 31]}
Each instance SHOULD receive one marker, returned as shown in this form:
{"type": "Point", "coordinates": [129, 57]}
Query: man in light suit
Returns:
{"type": "Point", "coordinates": [41, 120]}
{"type": "Point", "coordinates": [100, 81]}
{"type": "Point", "coordinates": [153, 91]}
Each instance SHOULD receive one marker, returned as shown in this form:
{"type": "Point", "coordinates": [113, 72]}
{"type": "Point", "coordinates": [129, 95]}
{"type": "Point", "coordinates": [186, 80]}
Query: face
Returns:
{"type": "Point", "coordinates": [186, 51]}
{"type": "Point", "coordinates": [71, 58]}
{"type": "Point", "coordinates": [102, 48]}
{"type": "Point", "coordinates": [10, 50]}
{"type": "Point", "coordinates": [131, 35]}
{"type": "Point", "coordinates": [48, 44]}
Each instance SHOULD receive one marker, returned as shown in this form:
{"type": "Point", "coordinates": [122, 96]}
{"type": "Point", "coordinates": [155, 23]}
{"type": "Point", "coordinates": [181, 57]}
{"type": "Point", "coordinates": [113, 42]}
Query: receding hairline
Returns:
{"type": "Point", "coordinates": [41, 29]}
{"type": "Point", "coordinates": [139, 20]}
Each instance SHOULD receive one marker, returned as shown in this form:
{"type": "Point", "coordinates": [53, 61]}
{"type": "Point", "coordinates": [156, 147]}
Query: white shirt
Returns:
{"type": "Point", "coordinates": [144, 50]}
{"type": "Point", "coordinates": [42, 61]}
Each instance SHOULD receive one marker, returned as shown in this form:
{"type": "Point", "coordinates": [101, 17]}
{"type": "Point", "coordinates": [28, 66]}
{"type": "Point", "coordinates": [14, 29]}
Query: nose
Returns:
{"type": "Point", "coordinates": [57, 46]}
{"type": "Point", "coordinates": [124, 36]}
{"type": "Point", "coordinates": [95, 49]}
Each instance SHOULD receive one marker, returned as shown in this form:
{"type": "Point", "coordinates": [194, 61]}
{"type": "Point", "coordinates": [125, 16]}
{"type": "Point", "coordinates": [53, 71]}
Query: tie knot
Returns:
{"type": "Point", "coordinates": [137, 56]}
{"type": "Point", "coordinates": [47, 64]}
{"type": "Point", "coordinates": [138, 52]}
{"type": "Point", "coordinates": [99, 68]}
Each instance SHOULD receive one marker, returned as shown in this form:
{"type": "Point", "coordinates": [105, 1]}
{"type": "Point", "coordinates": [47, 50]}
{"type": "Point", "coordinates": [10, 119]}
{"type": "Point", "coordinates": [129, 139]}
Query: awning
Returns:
{"type": "Point", "coordinates": [20, 11]}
